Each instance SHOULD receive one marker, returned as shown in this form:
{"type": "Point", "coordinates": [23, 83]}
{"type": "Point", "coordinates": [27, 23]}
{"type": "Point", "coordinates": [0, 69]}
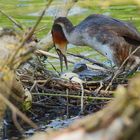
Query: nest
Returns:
{"type": "Point", "coordinates": [54, 96]}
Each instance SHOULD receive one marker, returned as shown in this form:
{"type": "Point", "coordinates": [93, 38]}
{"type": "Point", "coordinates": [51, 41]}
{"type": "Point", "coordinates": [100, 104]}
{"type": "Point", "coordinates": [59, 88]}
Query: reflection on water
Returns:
{"type": "Point", "coordinates": [23, 5]}
{"type": "Point", "coordinates": [53, 11]}
{"type": "Point", "coordinates": [26, 11]}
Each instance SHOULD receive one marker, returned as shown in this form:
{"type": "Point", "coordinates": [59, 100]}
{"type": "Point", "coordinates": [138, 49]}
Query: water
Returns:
{"type": "Point", "coordinates": [27, 11]}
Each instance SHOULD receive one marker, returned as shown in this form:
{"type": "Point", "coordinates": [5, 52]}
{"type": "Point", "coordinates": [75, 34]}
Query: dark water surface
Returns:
{"type": "Point", "coordinates": [27, 11]}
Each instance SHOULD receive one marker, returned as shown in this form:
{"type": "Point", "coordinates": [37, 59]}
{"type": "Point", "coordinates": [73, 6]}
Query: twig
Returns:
{"type": "Point", "coordinates": [41, 29]}
{"type": "Point", "coordinates": [72, 96]}
{"type": "Point", "coordinates": [12, 19]}
{"type": "Point", "coordinates": [18, 126]}
{"type": "Point", "coordinates": [90, 60]}
{"type": "Point", "coordinates": [69, 60]}
{"type": "Point", "coordinates": [29, 34]}
{"type": "Point", "coordinates": [99, 88]}
{"type": "Point", "coordinates": [60, 83]}
{"type": "Point", "coordinates": [54, 68]}
{"type": "Point", "coordinates": [62, 92]}
{"type": "Point", "coordinates": [67, 91]}
{"type": "Point", "coordinates": [18, 112]}
{"type": "Point", "coordinates": [51, 55]}
{"type": "Point", "coordinates": [117, 72]}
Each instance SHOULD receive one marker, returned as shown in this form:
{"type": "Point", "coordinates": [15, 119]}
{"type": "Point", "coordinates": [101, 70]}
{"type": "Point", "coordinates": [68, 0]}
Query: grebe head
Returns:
{"type": "Point", "coordinates": [64, 22]}
{"type": "Point", "coordinates": [59, 39]}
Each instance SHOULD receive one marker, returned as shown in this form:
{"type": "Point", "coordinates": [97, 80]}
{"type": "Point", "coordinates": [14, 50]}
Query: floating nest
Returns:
{"type": "Point", "coordinates": [55, 95]}
{"type": "Point", "coordinates": [48, 94]}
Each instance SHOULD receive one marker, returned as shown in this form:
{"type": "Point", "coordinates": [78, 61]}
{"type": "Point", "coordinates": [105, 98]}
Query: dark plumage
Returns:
{"type": "Point", "coordinates": [113, 38]}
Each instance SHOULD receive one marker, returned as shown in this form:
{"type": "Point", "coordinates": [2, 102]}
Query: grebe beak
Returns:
{"type": "Point", "coordinates": [61, 51]}
{"type": "Point", "coordinates": [60, 43]}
